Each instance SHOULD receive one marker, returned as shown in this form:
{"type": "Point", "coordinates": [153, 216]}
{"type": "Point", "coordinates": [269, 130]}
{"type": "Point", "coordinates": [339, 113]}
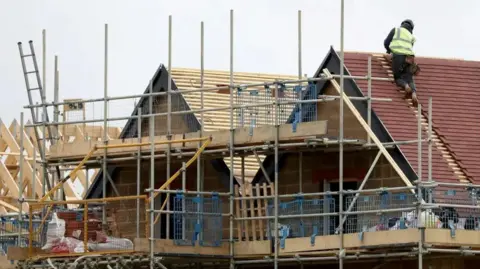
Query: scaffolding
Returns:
{"type": "Point", "coordinates": [294, 222]}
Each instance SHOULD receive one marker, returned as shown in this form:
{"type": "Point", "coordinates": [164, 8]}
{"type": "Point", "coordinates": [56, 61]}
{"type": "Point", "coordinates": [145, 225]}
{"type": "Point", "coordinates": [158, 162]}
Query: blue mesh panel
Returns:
{"type": "Point", "coordinates": [197, 218]}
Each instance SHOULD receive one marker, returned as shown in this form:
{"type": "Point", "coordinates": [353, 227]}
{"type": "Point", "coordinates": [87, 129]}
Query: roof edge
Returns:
{"type": "Point", "coordinates": [332, 60]}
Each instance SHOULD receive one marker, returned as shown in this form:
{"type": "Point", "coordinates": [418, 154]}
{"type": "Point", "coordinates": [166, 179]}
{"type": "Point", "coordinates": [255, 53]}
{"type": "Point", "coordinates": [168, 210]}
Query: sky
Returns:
{"type": "Point", "coordinates": [265, 39]}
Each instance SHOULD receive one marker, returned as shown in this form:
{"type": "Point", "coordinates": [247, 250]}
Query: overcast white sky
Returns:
{"type": "Point", "coordinates": [265, 38]}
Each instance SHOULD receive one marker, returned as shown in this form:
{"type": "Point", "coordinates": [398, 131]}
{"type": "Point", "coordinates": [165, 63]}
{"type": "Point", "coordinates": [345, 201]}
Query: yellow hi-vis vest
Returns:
{"type": "Point", "coordinates": [402, 42]}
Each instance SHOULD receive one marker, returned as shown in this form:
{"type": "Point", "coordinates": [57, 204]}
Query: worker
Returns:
{"type": "Point", "coordinates": [399, 43]}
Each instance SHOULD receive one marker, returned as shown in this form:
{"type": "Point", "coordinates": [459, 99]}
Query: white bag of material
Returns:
{"type": "Point", "coordinates": [461, 224]}
{"type": "Point", "coordinates": [72, 244]}
{"type": "Point", "coordinates": [429, 220]}
{"type": "Point", "coordinates": [55, 231]}
{"type": "Point", "coordinates": [78, 246]}
{"type": "Point", "coordinates": [112, 243]}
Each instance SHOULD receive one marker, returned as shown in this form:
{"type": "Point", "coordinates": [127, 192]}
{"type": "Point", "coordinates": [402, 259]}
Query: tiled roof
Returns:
{"type": "Point", "coordinates": [214, 120]}
{"type": "Point", "coordinates": [454, 88]}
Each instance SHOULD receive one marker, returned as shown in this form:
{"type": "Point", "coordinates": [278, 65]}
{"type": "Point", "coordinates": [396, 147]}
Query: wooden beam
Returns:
{"type": "Point", "coordinates": [367, 128]}
{"type": "Point", "coordinates": [79, 135]}
{"type": "Point", "coordinates": [69, 190]}
{"type": "Point", "coordinates": [31, 151]}
{"type": "Point", "coordinates": [16, 253]}
{"type": "Point", "coordinates": [220, 138]}
{"type": "Point", "coordinates": [31, 134]}
{"type": "Point", "coordinates": [27, 143]}
{"type": "Point", "coordinates": [9, 206]}
{"type": "Point", "coordinates": [442, 237]}
{"type": "Point", "coordinates": [11, 183]}
{"type": "Point", "coordinates": [9, 160]}
{"type": "Point", "coordinates": [252, 248]}
{"type": "Point", "coordinates": [4, 206]}
{"type": "Point", "coordinates": [168, 246]}
{"type": "Point", "coordinates": [12, 144]}
{"type": "Point", "coordinates": [68, 187]}
{"type": "Point", "coordinates": [369, 239]}
{"type": "Point", "coordinates": [82, 178]}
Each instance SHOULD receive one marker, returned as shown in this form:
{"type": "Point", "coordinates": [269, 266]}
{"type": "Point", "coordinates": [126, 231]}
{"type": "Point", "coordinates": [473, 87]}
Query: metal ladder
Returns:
{"type": "Point", "coordinates": [38, 88]}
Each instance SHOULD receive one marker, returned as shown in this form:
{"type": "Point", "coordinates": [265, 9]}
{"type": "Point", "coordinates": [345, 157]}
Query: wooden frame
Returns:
{"type": "Point", "coordinates": [10, 140]}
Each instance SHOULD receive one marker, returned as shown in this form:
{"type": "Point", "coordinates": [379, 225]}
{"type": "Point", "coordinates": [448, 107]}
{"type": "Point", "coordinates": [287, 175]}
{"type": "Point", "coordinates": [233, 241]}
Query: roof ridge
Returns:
{"type": "Point", "coordinates": [222, 72]}
{"type": "Point", "coordinates": [376, 54]}
{"type": "Point", "coordinates": [439, 141]}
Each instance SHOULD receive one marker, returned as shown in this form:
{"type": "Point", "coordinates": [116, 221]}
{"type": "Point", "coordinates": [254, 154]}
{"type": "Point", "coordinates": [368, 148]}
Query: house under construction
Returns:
{"type": "Point", "coordinates": [220, 169]}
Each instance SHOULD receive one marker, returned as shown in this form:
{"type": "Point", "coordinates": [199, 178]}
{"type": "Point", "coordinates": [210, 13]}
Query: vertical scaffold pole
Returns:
{"type": "Point", "coordinates": [56, 89]}
{"type": "Point", "coordinates": [56, 113]}
{"type": "Point", "coordinates": [169, 119]}
{"type": "Point", "coordinates": [44, 62]}
{"type": "Point", "coordinates": [43, 164]}
{"type": "Point", "coordinates": [151, 124]}
{"type": "Point", "coordinates": [340, 161]}
{"type": "Point", "coordinates": [430, 142]}
{"type": "Point", "coordinates": [299, 44]}
{"type": "Point", "coordinates": [277, 241]}
{"type": "Point", "coordinates": [429, 194]}
{"type": "Point", "coordinates": [184, 188]}
{"type": "Point", "coordinates": [300, 154]}
{"type": "Point", "coordinates": [20, 181]}
{"type": "Point", "coordinates": [232, 130]}
{"type": "Point", "coordinates": [34, 169]}
{"type": "Point", "coordinates": [419, 145]}
{"type": "Point", "coordinates": [369, 100]}
{"type": "Point", "coordinates": [105, 126]}
{"type": "Point", "coordinates": [199, 160]}
{"type": "Point", "coordinates": [87, 175]}
{"type": "Point", "coordinates": [419, 183]}
{"type": "Point", "coordinates": [139, 163]}
{"type": "Point", "coordinates": [44, 147]}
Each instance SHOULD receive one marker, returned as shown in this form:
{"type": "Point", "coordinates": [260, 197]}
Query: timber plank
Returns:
{"type": "Point", "coordinates": [220, 138]}
{"type": "Point", "coordinates": [370, 239]}
{"type": "Point", "coordinates": [168, 246]}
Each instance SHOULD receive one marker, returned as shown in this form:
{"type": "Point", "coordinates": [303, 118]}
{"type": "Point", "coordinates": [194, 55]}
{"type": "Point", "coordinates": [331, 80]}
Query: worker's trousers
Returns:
{"type": "Point", "coordinates": [402, 71]}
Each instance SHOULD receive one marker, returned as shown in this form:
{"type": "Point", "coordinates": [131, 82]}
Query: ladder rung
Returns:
{"type": "Point", "coordinates": [31, 72]}
{"type": "Point", "coordinates": [27, 55]}
{"type": "Point", "coordinates": [33, 89]}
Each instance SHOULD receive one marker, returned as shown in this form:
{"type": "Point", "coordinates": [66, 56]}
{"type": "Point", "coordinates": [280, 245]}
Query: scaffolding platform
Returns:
{"type": "Point", "coordinates": [245, 136]}
{"type": "Point", "coordinates": [391, 239]}
{"type": "Point", "coordinates": [440, 238]}
{"type": "Point", "coordinates": [386, 240]}
{"type": "Point", "coordinates": [241, 249]}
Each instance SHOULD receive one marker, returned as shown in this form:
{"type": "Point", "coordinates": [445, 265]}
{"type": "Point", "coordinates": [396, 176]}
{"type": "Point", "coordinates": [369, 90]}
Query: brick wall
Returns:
{"type": "Point", "coordinates": [318, 166]}
{"type": "Point", "coordinates": [126, 183]}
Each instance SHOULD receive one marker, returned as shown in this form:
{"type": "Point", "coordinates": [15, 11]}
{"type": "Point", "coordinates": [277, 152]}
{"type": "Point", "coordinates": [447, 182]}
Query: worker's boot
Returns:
{"type": "Point", "coordinates": [410, 94]}
{"type": "Point", "coordinates": [414, 99]}
{"type": "Point", "coordinates": [408, 91]}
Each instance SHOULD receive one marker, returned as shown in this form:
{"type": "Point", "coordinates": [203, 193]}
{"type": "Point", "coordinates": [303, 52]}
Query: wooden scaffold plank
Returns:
{"type": "Point", "coordinates": [220, 138]}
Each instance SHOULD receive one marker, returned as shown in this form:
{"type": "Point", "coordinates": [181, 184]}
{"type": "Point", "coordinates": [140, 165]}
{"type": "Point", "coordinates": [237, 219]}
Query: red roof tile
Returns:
{"type": "Point", "coordinates": [455, 90]}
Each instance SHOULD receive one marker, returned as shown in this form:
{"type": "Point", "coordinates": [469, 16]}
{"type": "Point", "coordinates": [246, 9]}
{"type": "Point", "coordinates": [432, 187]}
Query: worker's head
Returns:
{"type": "Point", "coordinates": [407, 24]}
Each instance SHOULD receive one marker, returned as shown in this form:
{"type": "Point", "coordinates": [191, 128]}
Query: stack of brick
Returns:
{"type": "Point", "coordinates": [74, 224]}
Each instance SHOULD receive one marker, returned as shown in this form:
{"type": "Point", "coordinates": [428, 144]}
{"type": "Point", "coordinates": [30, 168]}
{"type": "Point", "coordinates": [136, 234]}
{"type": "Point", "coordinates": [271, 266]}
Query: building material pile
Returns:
{"type": "Point", "coordinates": [65, 233]}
